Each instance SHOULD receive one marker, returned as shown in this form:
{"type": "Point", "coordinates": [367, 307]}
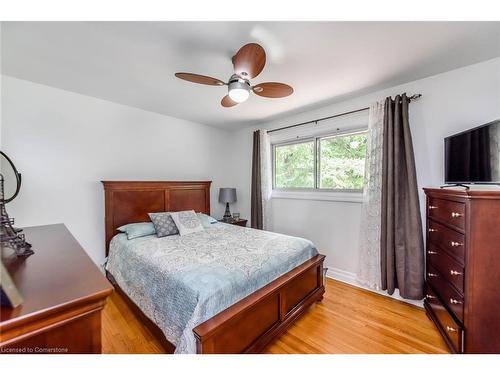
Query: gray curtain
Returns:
{"type": "Point", "coordinates": [256, 199]}
{"type": "Point", "coordinates": [401, 243]}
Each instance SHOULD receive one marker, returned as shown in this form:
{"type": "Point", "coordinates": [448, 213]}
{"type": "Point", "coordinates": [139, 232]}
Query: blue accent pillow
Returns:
{"type": "Point", "coordinates": [135, 230]}
{"type": "Point", "coordinates": [206, 220]}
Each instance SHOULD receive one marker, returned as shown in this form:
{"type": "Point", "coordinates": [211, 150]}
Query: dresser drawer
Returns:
{"type": "Point", "coordinates": [448, 267]}
{"type": "Point", "coordinates": [447, 325]}
{"type": "Point", "coordinates": [450, 297]}
{"type": "Point", "coordinates": [447, 239]}
{"type": "Point", "coordinates": [447, 211]}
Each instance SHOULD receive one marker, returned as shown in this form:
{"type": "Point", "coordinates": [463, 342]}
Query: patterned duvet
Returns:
{"type": "Point", "coordinates": [181, 281]}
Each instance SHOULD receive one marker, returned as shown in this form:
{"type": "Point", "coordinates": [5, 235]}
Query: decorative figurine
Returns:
{"type": "Point", "coordinates": [9, 236]}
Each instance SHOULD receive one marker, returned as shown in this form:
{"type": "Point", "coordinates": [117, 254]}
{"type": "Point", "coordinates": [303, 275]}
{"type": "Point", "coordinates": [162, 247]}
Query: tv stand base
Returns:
{"type": "Point", "coordinates": [466, 187]}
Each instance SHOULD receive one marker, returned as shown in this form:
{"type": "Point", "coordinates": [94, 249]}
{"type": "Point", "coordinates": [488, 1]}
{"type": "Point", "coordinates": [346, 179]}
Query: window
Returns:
{"type": "Point", "coordinates": [334, 162]}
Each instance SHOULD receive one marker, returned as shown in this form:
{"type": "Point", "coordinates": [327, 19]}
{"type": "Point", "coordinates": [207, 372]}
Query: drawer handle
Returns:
{"type": "Point", "coordinates": [432, 274]}
{"type": "Point", "coordinates": [455, 273]}
{"type": "Point", "coordinates": [431, 252]}
{"type": "Point", "coordinates": [451, 329]}
{"type": "Point", "coordinates": [432, 207]}
{"type": "Point", "coordinates": [456, 244]}
{"type": "Point", "coordinates": [429, 296]}
{"type": "Point", "coordinates": [456, 214]}
{"type": "Point", "coordinates": [432, 230]}
{"type": "Point", "coordinates": [455, 302]}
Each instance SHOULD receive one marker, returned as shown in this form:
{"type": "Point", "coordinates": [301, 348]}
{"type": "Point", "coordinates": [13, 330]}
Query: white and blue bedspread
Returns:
{"type": "Point", "coordinates": [181, 281]}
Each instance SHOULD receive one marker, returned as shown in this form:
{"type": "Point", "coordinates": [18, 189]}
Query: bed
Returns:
{"type": "Point", "coordinates": [226, 289]}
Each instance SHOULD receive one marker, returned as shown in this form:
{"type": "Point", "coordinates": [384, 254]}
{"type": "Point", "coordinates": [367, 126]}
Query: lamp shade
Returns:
{"type": "Point", "coordinates": [227, 195]}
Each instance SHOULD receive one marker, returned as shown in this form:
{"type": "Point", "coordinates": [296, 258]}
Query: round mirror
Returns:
{"type": "Point", "coordinates": [11, 178]}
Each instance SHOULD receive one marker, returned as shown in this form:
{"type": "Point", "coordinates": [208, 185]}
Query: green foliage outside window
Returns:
{"type": "Point", "coordinates": [341, 163]}
{"type": "Point", "coordinates": [294, 165]}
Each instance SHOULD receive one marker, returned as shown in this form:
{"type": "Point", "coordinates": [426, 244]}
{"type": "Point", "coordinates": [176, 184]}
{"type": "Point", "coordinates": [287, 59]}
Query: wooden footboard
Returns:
{"type": "Point", "coordinates": [250, 324]}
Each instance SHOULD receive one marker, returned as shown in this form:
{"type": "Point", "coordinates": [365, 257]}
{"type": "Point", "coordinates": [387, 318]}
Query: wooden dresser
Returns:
{"type": "Point", "coordinates": [463, 267]}
{"type": "Point", "coordinates": [63, 291]}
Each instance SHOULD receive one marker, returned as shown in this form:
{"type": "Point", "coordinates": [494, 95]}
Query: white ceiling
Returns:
{"type": "Point", "coordinates": [133, 63]}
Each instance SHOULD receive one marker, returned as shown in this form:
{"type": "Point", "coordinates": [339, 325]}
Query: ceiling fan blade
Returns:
{"type": "Point", "coordinates": [197, 78]}
{"type": "Point", "coordinates": [272, 90]}
{"type": "Point", "coordinates": [249, 60]}
{"type": "Point", "coordinates": [228, 102]}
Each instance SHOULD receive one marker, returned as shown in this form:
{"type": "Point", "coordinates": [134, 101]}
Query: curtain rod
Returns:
{"type": "Point", "coordinates": [413, 97]}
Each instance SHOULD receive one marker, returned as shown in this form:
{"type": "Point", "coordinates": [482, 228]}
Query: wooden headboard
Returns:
{"type": "Point", "coordinates": [128, 202]}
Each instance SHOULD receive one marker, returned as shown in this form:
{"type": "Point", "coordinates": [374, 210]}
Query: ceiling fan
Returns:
{"type": "Point", "coordinates": [248, 63]}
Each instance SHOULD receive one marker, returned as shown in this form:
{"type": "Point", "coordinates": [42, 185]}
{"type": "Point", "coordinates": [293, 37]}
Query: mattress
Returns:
{"type": "Point", "coordinates": [181, 281]}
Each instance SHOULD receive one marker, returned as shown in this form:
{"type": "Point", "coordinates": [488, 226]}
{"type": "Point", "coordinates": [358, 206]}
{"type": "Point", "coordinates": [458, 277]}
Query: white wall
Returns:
{"type": "Point", "coordinates": [64, 144]}
{"type": "Point", "coordinates": [451, 102]}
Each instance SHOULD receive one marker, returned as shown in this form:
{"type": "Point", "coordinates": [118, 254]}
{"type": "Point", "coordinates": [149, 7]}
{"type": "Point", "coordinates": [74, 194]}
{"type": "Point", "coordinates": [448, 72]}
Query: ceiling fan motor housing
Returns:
{"type": "Point", "coordinates": [238, 82]}
{"type": "Point", "coordinates": [238, 88]}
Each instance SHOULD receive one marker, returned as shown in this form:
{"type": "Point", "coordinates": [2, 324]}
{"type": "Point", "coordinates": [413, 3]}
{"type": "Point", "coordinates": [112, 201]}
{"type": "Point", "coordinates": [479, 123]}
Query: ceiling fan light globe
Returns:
{"type": "Point", "coordinates": [239, 95]}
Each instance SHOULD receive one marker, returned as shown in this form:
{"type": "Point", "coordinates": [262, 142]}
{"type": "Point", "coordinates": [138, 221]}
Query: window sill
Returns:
{"type": "Point", "coordinates": [332, 196]}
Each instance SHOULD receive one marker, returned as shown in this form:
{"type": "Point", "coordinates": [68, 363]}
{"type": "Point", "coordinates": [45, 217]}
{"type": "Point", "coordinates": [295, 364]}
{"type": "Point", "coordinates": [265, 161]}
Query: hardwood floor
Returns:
{"type": "Point", "coordinates": [123, 333]}
{"type": "Point", "coordinates": [348, 320]}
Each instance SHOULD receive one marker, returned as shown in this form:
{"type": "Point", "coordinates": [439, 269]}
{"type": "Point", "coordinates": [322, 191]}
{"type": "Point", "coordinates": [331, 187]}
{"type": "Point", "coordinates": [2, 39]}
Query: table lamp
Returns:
{"type": "Point", "coordinates": [227, 195]}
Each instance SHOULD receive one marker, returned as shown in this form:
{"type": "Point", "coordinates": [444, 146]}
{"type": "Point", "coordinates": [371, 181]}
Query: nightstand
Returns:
{"type": "Point", "coordinates": [239, 222]}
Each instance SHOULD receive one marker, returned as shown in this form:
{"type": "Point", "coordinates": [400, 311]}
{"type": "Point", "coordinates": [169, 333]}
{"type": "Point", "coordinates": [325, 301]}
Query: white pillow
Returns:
{"type": "Point", "coordinates": [187, 222]}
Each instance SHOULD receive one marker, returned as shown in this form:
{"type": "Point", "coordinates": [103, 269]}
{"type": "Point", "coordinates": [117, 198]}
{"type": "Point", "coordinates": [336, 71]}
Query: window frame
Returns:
{"type": "Point", "coordinates": [317, 163]}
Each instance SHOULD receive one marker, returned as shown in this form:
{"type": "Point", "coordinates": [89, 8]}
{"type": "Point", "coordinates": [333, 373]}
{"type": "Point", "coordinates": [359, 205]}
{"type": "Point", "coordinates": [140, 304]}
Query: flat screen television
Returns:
{"type": "Point", "coordinates": [473, 156]}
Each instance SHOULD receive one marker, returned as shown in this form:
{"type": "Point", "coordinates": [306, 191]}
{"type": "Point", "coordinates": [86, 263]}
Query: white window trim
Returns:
{"type": "Point", "coordinates": [319, 195]}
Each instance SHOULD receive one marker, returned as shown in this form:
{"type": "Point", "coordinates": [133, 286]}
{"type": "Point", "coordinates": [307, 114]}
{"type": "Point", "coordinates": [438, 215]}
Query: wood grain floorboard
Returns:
{"type": "Point", "coordinates": [348, 320]}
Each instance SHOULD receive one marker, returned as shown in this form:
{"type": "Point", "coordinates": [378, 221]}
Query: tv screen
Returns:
{"type": "Point", "coordinates": [473, 156]}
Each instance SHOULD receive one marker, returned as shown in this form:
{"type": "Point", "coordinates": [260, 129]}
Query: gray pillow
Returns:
{"type": "Point", "coordinates": [163, 223]}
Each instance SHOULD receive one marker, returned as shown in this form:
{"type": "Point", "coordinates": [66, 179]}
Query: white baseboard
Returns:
{"type": "Point", "coordinates": [350, 278]}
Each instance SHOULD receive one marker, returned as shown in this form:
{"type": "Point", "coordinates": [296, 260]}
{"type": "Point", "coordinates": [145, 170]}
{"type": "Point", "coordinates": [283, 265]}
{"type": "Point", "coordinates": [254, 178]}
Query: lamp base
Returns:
{"type": "Point", "coordinates": [227, 215]}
